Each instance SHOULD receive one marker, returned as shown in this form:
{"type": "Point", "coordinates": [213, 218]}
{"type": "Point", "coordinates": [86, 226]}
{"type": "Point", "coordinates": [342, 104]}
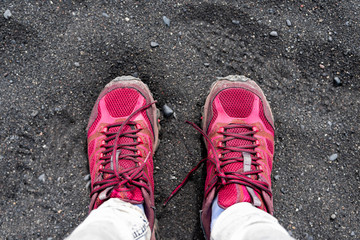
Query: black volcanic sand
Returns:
{"type": "Point", "coordinates": [56, 56]}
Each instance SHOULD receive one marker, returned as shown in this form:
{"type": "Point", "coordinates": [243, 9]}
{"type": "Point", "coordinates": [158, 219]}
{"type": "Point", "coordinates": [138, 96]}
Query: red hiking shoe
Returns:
{"type": "Point", "coordinates": [238, 129]}
{"type": "Point", "coordinates": [122, 137]}
{"type": "Point", "coordinates": [239, 132]}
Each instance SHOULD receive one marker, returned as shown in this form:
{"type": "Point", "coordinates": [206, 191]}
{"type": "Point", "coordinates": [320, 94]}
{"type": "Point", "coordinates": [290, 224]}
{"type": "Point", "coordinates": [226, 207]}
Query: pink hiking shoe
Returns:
{"type": "Point", "coordinates": [122, 137]}
{"type": "Point", "coordinates": [239, 132]}
{"type": "Point", "coordinates": [238, 128]}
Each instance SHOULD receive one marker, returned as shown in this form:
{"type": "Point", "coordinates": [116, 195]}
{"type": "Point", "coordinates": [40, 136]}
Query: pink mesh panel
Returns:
{"type": "Point", "coordinates": [263, 118]}
{"type": "Point", "coordinates": [121, 102]}
{"type": "Point", "coordinates": [237, 102]}
{"type": "Point", "coordinates": [270, 146]}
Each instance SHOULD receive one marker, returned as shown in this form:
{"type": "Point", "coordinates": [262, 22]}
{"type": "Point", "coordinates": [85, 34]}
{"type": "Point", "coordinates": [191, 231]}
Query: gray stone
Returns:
{"type": "Point", "coordinates": [288, 23]}
{"type": "Point", "coordinates": [77, 64]}
{"type": "Point", "coordinates": [166, 21]}
{"type": "Point", "coordinates": [168, 112]}
{"type": "Point", "coordinates": [333, 216]}
{"type": "Point", "coordinates": [34, 113]}
{"type": "Point", "coordinates": [337, 81]}
{"type": "Point", "coordinates": [236, 22]}
{"type": "Point", "coordinates": [87, 177]}
{"type": "Point", "coordinates": [206, 64]}
{"type": "Point", "coordinates": [333, 157]}
{"type": "Point", "coordinates": [105, 15]}
{"type": "Point", "coordinates": [7, 14]}
{"type": "Point", "coordinates": [154, 44]}
{"type": "Point", "coordinates": [276, 177]}
{"type": "Point", "coordinates": [274, 34]}
{"type": "Point", "coordinates": [42, 177]}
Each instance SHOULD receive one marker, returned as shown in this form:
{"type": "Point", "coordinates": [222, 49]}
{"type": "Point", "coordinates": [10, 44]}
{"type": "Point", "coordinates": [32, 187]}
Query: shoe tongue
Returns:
{"type": "Point", "coordinates": [135, 193]}
{"type": "Point", "coordinates": [234, 193]}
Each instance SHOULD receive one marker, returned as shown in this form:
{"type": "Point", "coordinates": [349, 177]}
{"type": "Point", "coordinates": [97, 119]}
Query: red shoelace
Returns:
{"type": "Point", "coordinates": [128, 178]}
{"type": "Point", "coordinates": [219, 160]}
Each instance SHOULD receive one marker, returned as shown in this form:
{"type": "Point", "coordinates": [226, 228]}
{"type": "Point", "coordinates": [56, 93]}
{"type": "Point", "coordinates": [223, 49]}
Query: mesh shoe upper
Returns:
{"type": "Point", "coordinates": [239, 128]}
{"type": "Point", "coordinates": [122, 137]}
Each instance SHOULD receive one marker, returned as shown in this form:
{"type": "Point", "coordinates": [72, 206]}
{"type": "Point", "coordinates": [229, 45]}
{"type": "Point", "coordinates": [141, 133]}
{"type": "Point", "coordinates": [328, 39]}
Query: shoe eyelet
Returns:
{"type": "Point", "coordinates": [219, 144]}
{"type": "Point", "coordinates": [104, 130]}
{"type": "Point", "coordinates": [221, 130]}
{"type": "Point", "coordinates": [138, 126]}
{"type": "Point", "coordinates": [139, 153]}
{"type": "Point", "coordinates": [139, 140]}
{"type": "Point", "coordinates": [258, 155]}
{"type": "Point", "coordinates": [257, 142]}
{"type": "Point", "coordinates": [255, 129]}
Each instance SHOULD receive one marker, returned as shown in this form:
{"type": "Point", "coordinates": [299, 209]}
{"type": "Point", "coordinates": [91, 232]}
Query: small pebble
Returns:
{"type": "Point", "coordinates": [330, 39]}
{"type": "Point", "coordinates": [333, 216]}
{"type": "Point", "coordinates": [88, 184]}
{"type": "Point", "coordinates": [34, 113]}
{"type": "Point", "coordinates": [288, 22]}
{"type": "Point", "coordinates": [282, 190]}
{"type": "Point", "coordinates": [168, 112]}
{"type": "Point", "coordinates": [166, 21]}
{"type": "Point", "coordinates": [352, 233]}
{"type": "Point", "coordinates": [77, 64]}
{"type": "Point", "coordinates": [321, 66]}
{"type": "Point", "coordinates": [42, 177]}
{"type": "Point", "coordinates": [333, 157]}
{"type": "Point", "coordinates": [105, 15]}
{"type": "Point", "coordinates": [337, 81]}
{"type": "Point", "coordinates": [87, 177]}
{"type": "Point", "coordinates": [206, 64]}
{"type": "Point", "coordinates": [135, 74]}
{"type": "Point", "coordinates": [127, 19]}
{"type": "Point", "coordinates": [276, 177]}
{"type": "Point", "coordinates": [7, 14]}
{"type": "Point", "coordinates": [274, 34]}
{"type": "Point", "coordinates": [236, 22]}
{"type": "Point", "coordinates": [154, 44]}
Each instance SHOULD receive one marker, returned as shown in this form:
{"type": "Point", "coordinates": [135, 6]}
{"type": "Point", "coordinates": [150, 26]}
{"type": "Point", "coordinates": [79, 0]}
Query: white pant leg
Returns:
{"type": "Point", "coordinates": [244, 221]}
{"type": "Point", "coordinates": [114, 219]}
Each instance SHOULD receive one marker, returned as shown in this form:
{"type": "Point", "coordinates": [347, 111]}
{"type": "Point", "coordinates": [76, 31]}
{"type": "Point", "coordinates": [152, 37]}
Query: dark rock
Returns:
{"type": "Point", "coordinates": [168, 112]}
